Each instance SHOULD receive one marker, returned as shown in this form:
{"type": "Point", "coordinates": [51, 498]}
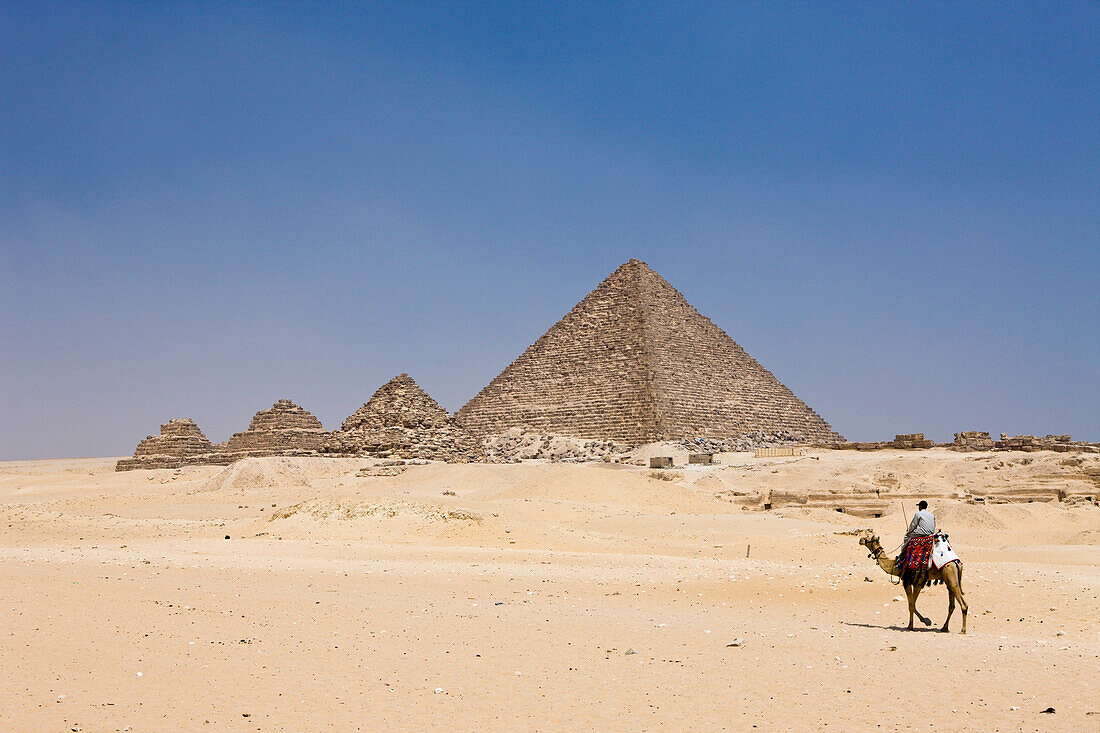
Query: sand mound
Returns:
{"type": "Point", "coordinates": [952, 515]}
{"type": "Point", "coordinates": [324, 510]}
{"type": "Point", "coordinates": [271, 473]}
{"type": "Point", "coordinates": [1088, 537]}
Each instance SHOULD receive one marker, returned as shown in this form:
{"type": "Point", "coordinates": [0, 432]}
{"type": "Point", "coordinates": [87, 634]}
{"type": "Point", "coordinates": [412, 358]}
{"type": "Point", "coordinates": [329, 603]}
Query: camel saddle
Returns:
{"type": "Point", "coordinates": [942, 554]}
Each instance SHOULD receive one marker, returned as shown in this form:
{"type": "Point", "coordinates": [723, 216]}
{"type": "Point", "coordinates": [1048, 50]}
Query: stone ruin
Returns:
{"type": "Point", "coordinates": [283, 430]}
{"type": "Point", "coordinates": [635, 363]}
{"type": "Point", "coordinates": [180, 443]}
{"type": "Point", "coordinates": [972, 440]}
{"type": "Point", "coordinates": [911, 440]}
{"type": "Point", "coordinates": [975, 440]}
{"type": "Point", "coordinates": [401, 420]}
{"type": "Point", "coordinates": [905, 441]}
{"type": "Point", "coordinates": [1031, 443]}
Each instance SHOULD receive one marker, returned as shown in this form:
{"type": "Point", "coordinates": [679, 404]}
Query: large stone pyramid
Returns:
{"type": "Point", "coordinates": [284, 429]}
{"type": "Point", "coordinates": [401, 420]}
{"type": "Point", "coordinates": [634, 362]}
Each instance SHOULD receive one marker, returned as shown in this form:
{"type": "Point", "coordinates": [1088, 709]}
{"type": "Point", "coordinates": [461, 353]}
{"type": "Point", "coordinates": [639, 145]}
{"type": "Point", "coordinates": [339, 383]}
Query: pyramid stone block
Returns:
{"type": "Point", "coordinates": [634, 362]}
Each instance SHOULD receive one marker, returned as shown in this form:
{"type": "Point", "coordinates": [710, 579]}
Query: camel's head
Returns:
{"type": "Point", "coordinates": [871, 542]}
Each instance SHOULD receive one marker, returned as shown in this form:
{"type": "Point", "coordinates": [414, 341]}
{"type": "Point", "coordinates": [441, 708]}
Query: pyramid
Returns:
{"type": "Point", "coordinates": [180, 443]}
{"type": "Point", "coordinates": [283, 430]}
{"type": "Point", "coordinates": [634, 362]}
{"type": "Point", "coordinates": [401, 420]}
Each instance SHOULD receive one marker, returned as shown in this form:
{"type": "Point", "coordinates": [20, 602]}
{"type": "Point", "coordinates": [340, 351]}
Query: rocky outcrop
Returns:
{"type": "Point", "coordinates": [401, 420]}
{"type": "Point", "coordinates": [283, 430]}
{"type": "Point", "coordinates": [635, 363]}
{"type": "Point", "coordinates": [180, 443]}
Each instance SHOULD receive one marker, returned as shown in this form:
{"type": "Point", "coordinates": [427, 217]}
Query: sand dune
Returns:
{"type": "Point", "coordinates": [543, 596]}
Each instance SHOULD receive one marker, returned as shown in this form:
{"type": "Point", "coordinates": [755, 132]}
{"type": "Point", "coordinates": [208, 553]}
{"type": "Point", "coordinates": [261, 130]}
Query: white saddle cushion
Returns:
{"type": "Point", "coordinates": [941, 553]}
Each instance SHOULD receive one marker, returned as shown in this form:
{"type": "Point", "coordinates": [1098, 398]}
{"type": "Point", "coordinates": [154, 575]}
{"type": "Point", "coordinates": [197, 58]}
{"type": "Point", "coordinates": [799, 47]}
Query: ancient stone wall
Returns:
{"type": "Point", "coordinates": [634, 363]}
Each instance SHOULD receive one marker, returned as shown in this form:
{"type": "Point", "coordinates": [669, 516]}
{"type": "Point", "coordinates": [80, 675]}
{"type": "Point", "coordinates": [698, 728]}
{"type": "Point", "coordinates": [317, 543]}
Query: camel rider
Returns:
{"type": "Point", "coordinates": [923, 524]}
{"type": "Point", "coordinates": [917, 547]}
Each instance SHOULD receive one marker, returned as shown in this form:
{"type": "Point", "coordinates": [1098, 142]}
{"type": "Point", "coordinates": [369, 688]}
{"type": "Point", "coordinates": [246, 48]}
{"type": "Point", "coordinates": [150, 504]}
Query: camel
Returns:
{"type": "Point", "coordinates": [950, 575]}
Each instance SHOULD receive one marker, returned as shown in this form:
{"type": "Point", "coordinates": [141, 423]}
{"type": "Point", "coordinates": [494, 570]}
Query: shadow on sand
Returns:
{"type": "Point", "coordinates": [929, 629]}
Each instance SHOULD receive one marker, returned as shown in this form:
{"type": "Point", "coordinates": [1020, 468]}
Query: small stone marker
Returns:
{"type": "Point", "coordinates": [660, 462]}
{"type": "Point", "coordinates": [704, 458]}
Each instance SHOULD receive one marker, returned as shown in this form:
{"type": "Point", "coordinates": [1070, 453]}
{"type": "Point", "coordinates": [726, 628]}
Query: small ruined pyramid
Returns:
{"type": "Point", "coordinates": [180, 443]}
{"type": "Point", "coordinates": [284, 429]}
{"type": "Point", "coordinates": [401, 420]}
{"type": "Point", "coordinates": [634, 362]}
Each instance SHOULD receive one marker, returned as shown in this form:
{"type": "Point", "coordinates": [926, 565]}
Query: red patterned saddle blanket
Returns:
{"type": "Point", "coordinates": [917, 554]}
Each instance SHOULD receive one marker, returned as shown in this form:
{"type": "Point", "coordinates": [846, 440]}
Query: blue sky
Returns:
{"type": "Point", "coordinates": [205, 207]}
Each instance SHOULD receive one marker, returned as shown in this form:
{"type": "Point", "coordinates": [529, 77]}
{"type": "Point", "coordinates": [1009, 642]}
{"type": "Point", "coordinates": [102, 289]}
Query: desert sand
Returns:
{"type": "Point", "coordinates": [308, 594]}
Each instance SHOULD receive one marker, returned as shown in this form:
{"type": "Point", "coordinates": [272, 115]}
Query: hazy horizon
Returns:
{"type": "Point", "coordinates": [206, 208]}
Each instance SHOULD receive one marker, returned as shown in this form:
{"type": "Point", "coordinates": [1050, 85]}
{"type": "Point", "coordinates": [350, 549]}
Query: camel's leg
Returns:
{"type": "Point", "coordinates": [911, 597]}
{"type": "Point", "coordinates": [952, 578]}
{"type": "Point", "coordinates": [950, 604]}
{"type": "Point", "coordinates": [911, 592]}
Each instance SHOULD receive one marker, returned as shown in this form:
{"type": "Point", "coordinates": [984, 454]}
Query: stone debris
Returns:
{"type": "Point", "coordinates": [635, 363]}
{"type": "Point", "coordinates": [747, 442]}
{"type": "Point", "coordinates": [375, 471]}
{"type": "Point", "coordinates": [401, 420]}
{"type": "Point", "coordinates": [517, 444]}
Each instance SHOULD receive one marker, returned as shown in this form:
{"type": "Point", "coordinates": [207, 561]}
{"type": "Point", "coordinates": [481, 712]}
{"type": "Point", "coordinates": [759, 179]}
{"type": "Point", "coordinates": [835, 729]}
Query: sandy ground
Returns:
{"type": "Point", "coordinates": [532, 597]}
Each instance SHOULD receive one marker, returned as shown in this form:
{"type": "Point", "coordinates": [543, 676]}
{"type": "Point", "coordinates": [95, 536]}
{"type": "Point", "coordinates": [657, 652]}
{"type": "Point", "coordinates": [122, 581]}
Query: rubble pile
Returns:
{"type": "Point", "coordinates": [745, 443]}
{"type": "Point", "coordinates": [517, 444]}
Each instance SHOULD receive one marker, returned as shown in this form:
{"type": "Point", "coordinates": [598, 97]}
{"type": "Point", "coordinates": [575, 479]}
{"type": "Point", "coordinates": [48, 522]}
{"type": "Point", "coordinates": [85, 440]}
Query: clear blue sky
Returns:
{"type": "Point", "coordinates": [205, 207]}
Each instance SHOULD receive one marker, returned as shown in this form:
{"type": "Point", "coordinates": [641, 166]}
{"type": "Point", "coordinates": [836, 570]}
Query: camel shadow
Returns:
{"type": "Point", "coordinates": [927, 629]}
